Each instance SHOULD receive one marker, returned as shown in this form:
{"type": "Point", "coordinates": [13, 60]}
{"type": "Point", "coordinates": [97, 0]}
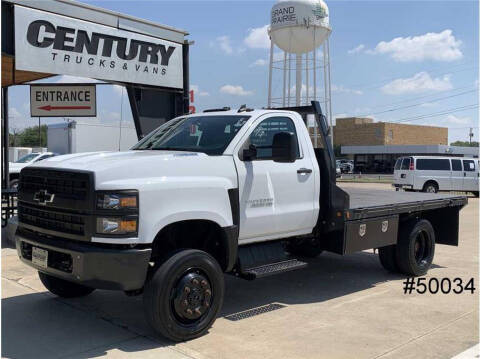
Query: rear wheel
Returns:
{"type": "Point", "coordinates": [184, 295]}
{"type": "Point", "coordinates": [64, 288]}
{"type": "Point", "coordinates": [430, 187]}
{"type": "Point", "coordinates": [309, 247]}
{"type": "Point", "coordinates": [415, 248]}
{"type": "Point", "coordinates": [387, 256]}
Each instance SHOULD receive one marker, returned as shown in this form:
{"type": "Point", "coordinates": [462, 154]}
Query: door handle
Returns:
{"type": "Point", "coordinates": [304, 170]}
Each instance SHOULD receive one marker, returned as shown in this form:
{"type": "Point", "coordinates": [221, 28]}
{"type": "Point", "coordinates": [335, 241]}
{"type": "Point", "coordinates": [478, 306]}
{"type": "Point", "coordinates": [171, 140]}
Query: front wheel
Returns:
{"type": "Point", "coordinates": [184, 295]}
{"type": "Point", "coordinates": [64, 288]}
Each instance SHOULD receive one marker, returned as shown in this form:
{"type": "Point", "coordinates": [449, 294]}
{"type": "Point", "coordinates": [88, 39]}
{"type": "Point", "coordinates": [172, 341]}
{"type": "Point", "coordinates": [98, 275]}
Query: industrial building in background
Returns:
{"type": "Point", "coordinates": [375, 146]}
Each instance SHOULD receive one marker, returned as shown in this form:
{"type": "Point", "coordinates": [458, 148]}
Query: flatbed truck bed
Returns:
{"type": "Point", "coordinates": [374, 203]}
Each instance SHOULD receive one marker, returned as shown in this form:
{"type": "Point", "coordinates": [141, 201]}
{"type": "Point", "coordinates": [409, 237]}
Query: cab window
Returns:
{"type": "Point", "coordinates": [262, 135]}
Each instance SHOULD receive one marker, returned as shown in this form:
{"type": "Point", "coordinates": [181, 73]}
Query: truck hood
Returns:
{"type": "Point", "coordinates": [117, 169]}
{"type": "Point", "coordinates": [14, 167]}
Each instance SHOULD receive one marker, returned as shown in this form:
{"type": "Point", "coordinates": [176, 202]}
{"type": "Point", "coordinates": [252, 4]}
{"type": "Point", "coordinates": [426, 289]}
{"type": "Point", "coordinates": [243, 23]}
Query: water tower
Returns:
{"type": "Point", "coordinates": [300, 29]}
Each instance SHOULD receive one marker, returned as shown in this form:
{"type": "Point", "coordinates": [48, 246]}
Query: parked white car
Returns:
{"type": "Point", "coordinates": [433, 174]}
{"type": "Point", "coordinates": [16, 167]}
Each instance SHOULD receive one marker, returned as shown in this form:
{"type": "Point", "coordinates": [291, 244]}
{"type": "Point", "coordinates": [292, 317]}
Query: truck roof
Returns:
{"type": "Point", "coordinates": [250, 112]}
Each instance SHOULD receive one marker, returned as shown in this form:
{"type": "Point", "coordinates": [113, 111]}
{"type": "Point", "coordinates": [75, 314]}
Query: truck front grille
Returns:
{"type": "Point", "coordinates": [50, 220]}
{"type": "Point", "coordinates": [65, 184]}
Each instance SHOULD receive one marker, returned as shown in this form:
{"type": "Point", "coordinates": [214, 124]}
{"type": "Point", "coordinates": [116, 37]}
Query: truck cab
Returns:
{"type": "Point", "coordinates": [241, 192]}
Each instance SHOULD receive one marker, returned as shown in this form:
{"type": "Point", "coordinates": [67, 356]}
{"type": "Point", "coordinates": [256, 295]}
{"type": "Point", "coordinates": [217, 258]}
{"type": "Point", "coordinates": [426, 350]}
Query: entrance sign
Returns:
{"type": "Point", "coordinates": [50, 43]}
{"type": "Point", "coordinates": [63, 100]}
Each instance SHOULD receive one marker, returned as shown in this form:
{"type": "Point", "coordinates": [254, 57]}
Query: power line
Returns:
{"type": "Point", "coordinates": [443, 112]}
{"type": "Point", "coordinates": [418, 104]}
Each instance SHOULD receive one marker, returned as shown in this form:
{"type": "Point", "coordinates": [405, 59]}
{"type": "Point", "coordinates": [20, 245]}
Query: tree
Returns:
{"type": "Point", "coordinates": [464, 144]}
{"type": "Point", "coordinates": [29, 137]}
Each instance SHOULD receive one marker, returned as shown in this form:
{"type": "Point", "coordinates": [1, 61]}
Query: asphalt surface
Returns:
{"type": "Point", "coordinates": [337, 307]}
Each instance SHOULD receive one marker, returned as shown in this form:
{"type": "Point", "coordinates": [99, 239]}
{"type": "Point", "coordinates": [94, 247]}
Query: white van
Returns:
{"type": "Point", "coordinates": [433, 174]}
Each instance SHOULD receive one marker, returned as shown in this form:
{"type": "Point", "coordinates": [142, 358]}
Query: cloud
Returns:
{"type": "Point", "coordinates": [257, 38]}
{"type": "Point", "coordinates": [343, 89]}
{"type": "Point", "coordinates": [419, 83]}
{"type": "Point", "coordinates": [357, 49]}
{"type": "Point", "coordinates": [440, 46]}
{"type": "Point", "coordinates": [118, 89]}
{"type": "Point", "coordinates": [235, 90]}
{"type": "Point", "coordinates": [277, 56]}
{"type": "Point", "coordinates": [457, 120]}
{"type": "Point", "coordinates": [197, 91]}
{"type": "Point", "coordinates": [259, 62]}
{"type": "Point", "coordinates": [223, 42]}
{"type": "Point", "coordinates": [73, 79]}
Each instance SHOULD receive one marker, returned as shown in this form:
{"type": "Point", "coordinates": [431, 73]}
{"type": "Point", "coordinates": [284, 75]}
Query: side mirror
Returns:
{"type": "Point", "coordinates": [250, 153]}
{"type": "Point", "coordinates": [284, 147]}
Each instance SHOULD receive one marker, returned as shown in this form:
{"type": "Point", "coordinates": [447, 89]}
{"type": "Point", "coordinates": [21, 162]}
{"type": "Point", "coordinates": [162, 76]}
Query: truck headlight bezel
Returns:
{"type": "Point", "coordinates": [126, 200]}
{"type": "Point", "coordinates": [116, 213]}
{"type": "Point", "coordinates": [117, 226]}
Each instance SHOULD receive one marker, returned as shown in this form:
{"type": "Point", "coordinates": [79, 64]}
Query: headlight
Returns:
{"type": "Point", "coordinates": [112, 225]}
{"type": "Point", "coordinates": [117, 201]}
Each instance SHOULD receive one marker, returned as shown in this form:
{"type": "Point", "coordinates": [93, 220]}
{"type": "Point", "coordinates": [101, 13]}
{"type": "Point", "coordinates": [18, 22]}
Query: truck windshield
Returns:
{"type": "Point", "coordinates": [207, 134]}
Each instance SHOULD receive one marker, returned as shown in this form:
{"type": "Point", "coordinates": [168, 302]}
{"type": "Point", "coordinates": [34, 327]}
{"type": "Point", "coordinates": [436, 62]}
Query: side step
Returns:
{"type": "Point", "coordinates": [273, 268]}
{"type": "Point", "coordinates": [263, 259]}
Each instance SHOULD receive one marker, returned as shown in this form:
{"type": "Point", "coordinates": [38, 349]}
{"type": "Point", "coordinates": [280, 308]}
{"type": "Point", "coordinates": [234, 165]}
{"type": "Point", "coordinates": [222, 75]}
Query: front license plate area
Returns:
{"type": "Point", "coordinates": [40, 257]}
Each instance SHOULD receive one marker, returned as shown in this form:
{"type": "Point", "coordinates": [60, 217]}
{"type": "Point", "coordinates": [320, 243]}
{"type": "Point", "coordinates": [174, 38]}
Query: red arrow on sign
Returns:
{"type": "Point", "coordinates": [49, 108]}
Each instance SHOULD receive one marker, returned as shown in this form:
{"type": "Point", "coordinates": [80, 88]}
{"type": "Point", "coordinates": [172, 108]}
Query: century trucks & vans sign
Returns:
{"type": "Point", "coordinates": [50, 43]}
{"type": "Point", "coordinates": [63, 100]}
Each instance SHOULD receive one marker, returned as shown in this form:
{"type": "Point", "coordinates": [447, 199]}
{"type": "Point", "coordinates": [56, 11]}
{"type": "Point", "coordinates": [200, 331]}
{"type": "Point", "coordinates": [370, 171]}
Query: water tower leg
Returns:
{"type": "Point", "coordinates": [284, 78]}
{"type": "Point", "coordinates": [270, 76]}
{"type": "Point", "coordinates": [298, 77]}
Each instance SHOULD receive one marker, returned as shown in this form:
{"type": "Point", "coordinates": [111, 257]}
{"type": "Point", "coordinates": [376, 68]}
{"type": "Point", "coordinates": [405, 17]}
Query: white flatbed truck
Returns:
{"type": "Point", "coordinates": [241, 192]}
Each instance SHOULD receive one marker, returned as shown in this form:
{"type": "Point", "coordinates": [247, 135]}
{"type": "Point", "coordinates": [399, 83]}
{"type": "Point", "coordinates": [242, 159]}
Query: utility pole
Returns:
{"type": "Point", "coordinates": [470, 135]}
{"type": "Point", "coordinates": [39, 134]}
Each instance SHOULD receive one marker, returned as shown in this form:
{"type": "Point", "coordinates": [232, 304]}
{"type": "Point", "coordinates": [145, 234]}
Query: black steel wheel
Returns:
{"type": "Point", "coordinates": [415, 248]}
{"type": "Point", "coordinates": [184, 295]}
{"type": "Point", "coordinates": [64, 288]}
{"type": "Point", "coordinates": [305, 247]}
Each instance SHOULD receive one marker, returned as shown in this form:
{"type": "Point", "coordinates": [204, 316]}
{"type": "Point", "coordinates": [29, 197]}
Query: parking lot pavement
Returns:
{"type": "Point", "coordinates": [337, 307]}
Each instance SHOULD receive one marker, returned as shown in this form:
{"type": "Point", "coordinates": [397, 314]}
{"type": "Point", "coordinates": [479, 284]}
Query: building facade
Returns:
{"type": "Point", "coordinates": [356, 131]}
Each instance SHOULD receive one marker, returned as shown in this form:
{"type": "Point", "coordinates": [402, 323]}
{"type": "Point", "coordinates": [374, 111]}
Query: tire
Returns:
{"type": "Point", "coordinates": [309, 248]}
{"type": "Point", "coordinates": [387, 256]}
{"type": "Point", "coordinates": [415, 248]}
{"type": "Point", "coordinates": [166, 300]}
{"type": "Point", "coordinates": [475, 194]}
{"type": "Point", "coordinates": [430, 187]}
{"type": "Point", "coordinates": [64, 288]}
{"type": "Point", "coordinates": [14, 183]}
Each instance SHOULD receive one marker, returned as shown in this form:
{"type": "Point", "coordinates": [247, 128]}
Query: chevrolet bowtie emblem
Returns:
{"type": "Point", "coordinates": [43, 197]}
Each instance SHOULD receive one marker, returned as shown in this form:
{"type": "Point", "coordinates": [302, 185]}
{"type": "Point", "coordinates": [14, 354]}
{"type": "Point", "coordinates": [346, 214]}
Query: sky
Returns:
{"type": "Point", "coordinates": [398, 61]}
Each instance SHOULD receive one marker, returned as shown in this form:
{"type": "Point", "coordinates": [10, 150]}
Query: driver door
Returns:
{"type": "Point", "coordinates": [276, 198]}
